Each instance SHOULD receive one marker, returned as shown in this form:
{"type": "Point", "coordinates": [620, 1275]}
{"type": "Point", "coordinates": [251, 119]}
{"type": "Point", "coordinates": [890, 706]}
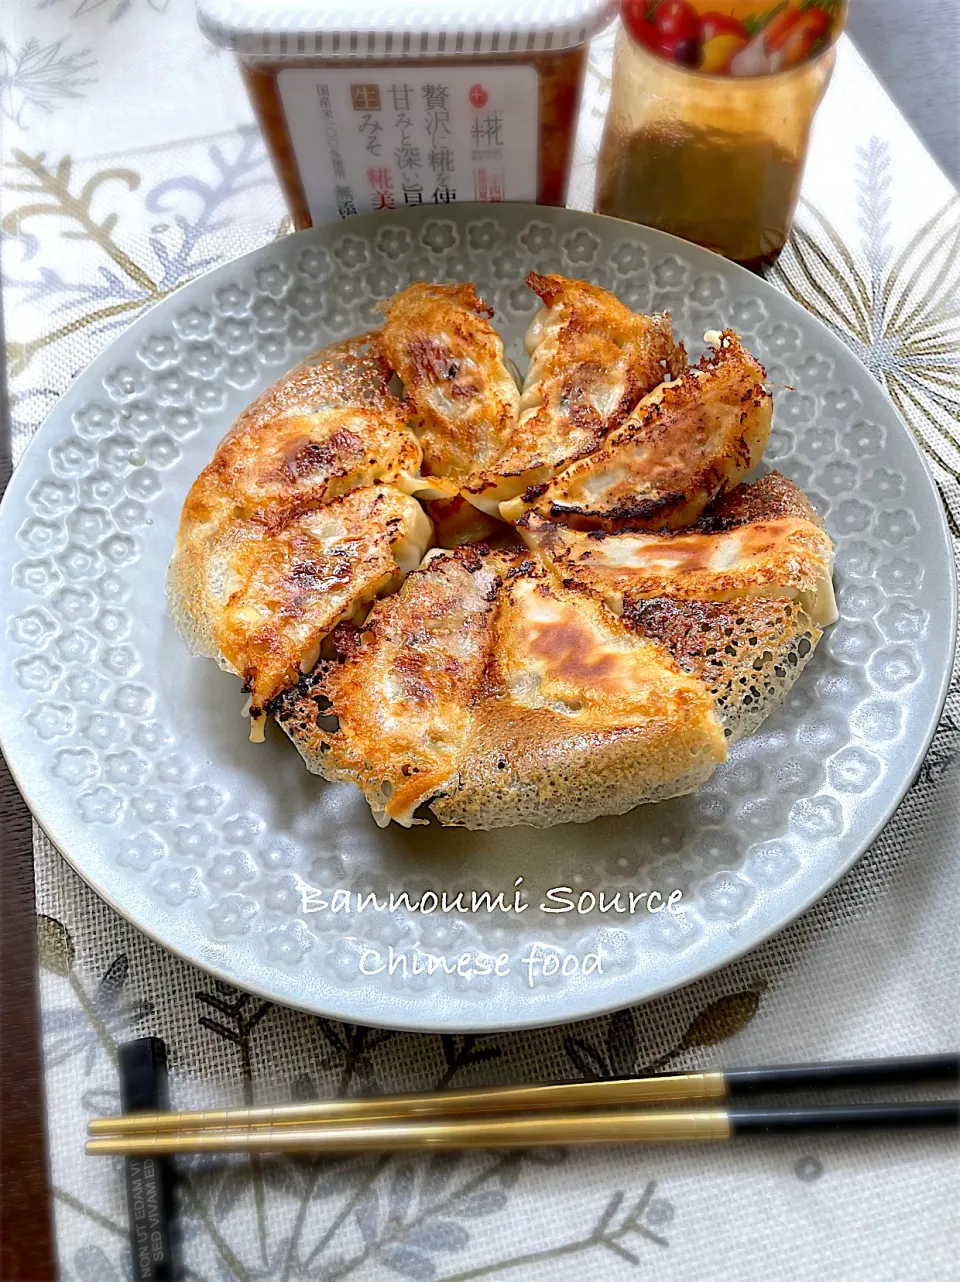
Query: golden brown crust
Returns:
{"type": "Point", "coordinates": [748, 652]}
{"type": "Point", "coordinates": [755, 551]}
{"type": "Point", "coordinates": [496, 683]}
{"type": "Point", "coordinates": [327, 427]}
{"type": "Point", "coordinates": [285, 588]}
{"type": "Point", "coordinates": [497, 696]}
{"type": "Point", "coordinates": [403, 685]}
{"type": "Point", "coordinates": [592, 359]}
{"type": "Point", "coordinates": [252, 583]}
{"type": "Point", "coordinates": [450, 361]}
{"type": "Point", "coordinates": [686, 442]}
{"type": "Point", "coordinates": [770, 498]}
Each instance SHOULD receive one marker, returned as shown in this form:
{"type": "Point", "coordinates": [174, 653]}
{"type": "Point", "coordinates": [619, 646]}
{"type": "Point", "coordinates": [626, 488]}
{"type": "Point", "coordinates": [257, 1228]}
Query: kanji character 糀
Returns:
{"type": "Point", "coordinates": [441, 160]}
{"type": "Point", "coordinates": [381, 189]}
{"type": "Point", "coordinates": [488, 129]}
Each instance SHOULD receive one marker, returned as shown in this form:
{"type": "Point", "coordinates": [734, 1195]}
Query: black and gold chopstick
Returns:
{"type": "Point", "coordinates": [538, 1130]}
{"type": "Point", "coordinates": [662, 1088]}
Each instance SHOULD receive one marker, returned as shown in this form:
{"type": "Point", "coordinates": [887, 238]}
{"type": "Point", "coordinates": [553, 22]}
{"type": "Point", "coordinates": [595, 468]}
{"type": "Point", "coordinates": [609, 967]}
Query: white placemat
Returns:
{"type": "Point", "coordinates": [130, 164]}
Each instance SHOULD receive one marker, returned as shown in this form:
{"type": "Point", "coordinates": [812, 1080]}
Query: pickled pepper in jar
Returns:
{"type": "Point", "coordinates": [710, 113]}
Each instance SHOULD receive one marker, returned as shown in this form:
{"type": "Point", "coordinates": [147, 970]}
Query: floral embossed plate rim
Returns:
{"type": "Point", "coordinates": [133, 756]}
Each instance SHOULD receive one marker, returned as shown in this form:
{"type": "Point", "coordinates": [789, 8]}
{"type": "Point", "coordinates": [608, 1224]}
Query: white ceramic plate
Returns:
{"type": "Point", "coordinates": [134, 757]}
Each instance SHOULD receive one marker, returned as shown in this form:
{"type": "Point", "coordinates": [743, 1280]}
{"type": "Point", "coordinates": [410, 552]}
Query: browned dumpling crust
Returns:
{"type": "Point", "coordinates": [591, 360]}
{"type": "Point", "coordinates": [778, 556]}
{"type": "Point", "coordinates": [302, 518]}
{"type": "Point", "coordinates": [449, 358]}
{"type": "Point", "coordinates": [489, 691]}
{"type": "Point", "coordinates": [500, 607]}
{"type": "Point", "coordinates": [686, 442]}
{"type": "Point", "coordinates": [285, 588]}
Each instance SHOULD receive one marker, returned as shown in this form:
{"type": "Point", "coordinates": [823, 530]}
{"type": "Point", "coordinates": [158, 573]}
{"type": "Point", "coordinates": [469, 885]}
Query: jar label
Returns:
{"type": "Point", "coordinates": [735, 37]}
{"type": "Point", "coordinates": [370, 138]}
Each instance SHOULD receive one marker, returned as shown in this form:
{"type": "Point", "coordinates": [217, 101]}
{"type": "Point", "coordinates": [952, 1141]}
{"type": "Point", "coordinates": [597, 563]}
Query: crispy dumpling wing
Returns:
{"type": "Point", "coordinates": [329, 426]}
{"type": "Point", "coordinates": [740, 601]}
{"type": "Point", "coordinates": [498, 697]}
{"type": "Point", "coordinates": [262, 597]}
{"type": "Point", "coordinates": [591, 360]}
{"type": "Point", "coordinates": [748, 652]}
{"type": "Point", "coordinates": [766, 544]}
{"type": "Point", "coordinates": [257, 577]}
{"type": "Point", "coordinates": [450, 360]}
{"type": "Point", "coordinates": [686, 443]}
{"type": "Point", "coordinates": [598, 607]}
{"type": "Point", "coordinates": [576, 718]}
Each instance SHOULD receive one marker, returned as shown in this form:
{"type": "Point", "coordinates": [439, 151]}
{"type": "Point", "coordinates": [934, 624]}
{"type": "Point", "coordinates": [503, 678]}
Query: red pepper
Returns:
{"type": "Point", "coordinates": [777, 30]}
{"type": "Point", "coordinates": [721, 24]}
{"type": "Point", "coordinates": [634, 16]}
{"type": "Point", "coordinates": [804, 36]}
{"type": "Point", "coordinates": [675, 21]}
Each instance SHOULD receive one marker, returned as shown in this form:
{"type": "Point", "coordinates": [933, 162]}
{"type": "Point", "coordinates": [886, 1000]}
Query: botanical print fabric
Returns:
{"type": "Point", "coordinates": [130, 164]}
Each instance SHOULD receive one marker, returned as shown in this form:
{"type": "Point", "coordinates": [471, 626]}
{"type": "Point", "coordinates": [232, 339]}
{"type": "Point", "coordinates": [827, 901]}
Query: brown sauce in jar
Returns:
{"type": "Point", "coordinates": [734, 194]}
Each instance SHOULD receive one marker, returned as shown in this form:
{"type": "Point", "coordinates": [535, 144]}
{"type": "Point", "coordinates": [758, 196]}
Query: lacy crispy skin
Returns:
{"type": "Point", "coordinates": [591, 643]}
{"type": "Point", "coordinates": [499, 697]}
{"type": "Point", "coordinates": [686, 443]}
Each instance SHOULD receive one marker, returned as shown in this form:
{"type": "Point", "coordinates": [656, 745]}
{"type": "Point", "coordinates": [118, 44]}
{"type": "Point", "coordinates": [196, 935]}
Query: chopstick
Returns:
{"type": "Point", "coordinates": [664, 1088]}
{"type": "Point", "coordinates": [544, 1130]}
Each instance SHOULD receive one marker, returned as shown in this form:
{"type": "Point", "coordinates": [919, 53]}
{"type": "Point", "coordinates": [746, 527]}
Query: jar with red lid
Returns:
{"type": "Point", "coordinates": [370, 106]}
{"type": "Point", "coordinates": [710, 113]}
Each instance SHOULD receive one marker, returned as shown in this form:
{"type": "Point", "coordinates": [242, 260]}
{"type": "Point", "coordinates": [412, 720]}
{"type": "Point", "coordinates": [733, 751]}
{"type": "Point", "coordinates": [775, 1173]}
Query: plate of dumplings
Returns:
{"type": "Point", "coordinates": [471, 621]}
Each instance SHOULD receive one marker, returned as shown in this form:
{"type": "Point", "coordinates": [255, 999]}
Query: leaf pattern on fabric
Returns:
{"type": "Point", "coordinates": [41, 78]}
{"type": "Point", "coordinates": [54, 946]}
{"type": "Point", "coordinates": [900, 314]}
{"type": "Point", "coordinates": [125, 281]}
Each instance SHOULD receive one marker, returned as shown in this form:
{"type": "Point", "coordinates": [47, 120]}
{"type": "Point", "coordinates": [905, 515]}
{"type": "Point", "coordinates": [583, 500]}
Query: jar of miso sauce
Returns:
{"type": "Point", "coordinates": [368, 106]}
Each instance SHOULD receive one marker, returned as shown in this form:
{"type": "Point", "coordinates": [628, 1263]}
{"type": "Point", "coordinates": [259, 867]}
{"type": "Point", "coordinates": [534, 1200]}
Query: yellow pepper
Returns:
{"type": "Point", "coordinates": [717, 53]}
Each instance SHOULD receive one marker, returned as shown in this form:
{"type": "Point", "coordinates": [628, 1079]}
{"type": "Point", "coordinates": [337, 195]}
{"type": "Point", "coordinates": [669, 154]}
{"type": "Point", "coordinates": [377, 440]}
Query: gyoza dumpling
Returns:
{"type": "Point", "coordinates": [767, 544]}
{"type": "Point", "coordinates": [450, 361]}
{"type": "Point", "coordinates": [495, 695]}
{"type": "Point", "coordinates": [262, 596]}
{"type": "Point", "coordinates": [328, 427]}
{"type": "Point", "coordinates": [740, 601]}
{"type": "Point", "coordinates": [686, 443]}
{"type": "Point", "coordinates": [591, 360]}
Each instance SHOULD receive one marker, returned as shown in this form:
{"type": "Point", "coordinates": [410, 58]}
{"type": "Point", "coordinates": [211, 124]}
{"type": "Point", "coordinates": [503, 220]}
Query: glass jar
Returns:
{"type": "Point", "coordinates": [369, 106]}
{"type": "Point", "coordinates": [714, 156]}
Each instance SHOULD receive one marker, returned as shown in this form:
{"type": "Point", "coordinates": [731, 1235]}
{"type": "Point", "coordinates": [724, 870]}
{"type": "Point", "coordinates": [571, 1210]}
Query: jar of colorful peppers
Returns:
{"type": "Point", "coordinates": [710, 114]}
